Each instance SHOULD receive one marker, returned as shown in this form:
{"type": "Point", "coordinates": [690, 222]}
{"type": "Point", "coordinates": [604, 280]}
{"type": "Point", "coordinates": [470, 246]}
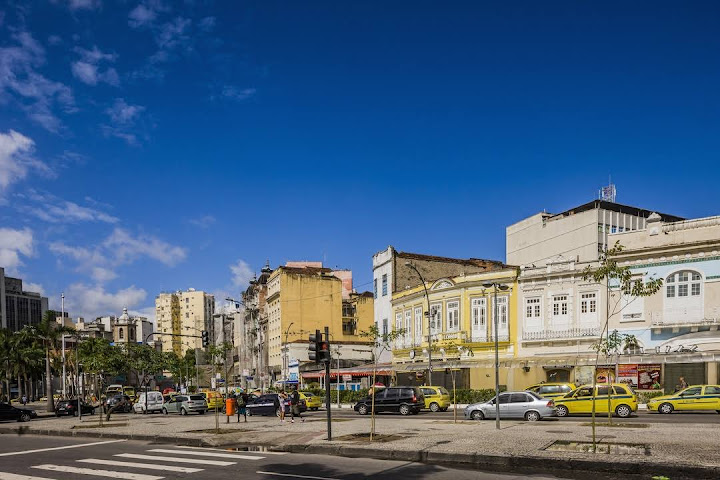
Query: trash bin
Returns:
{"type": "Point", "coordinates": [230, 407]}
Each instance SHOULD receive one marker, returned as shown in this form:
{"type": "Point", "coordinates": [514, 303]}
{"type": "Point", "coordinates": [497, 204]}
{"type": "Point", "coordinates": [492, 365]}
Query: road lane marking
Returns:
{"type": "Point", "coordinates": [218, 463]}
{"type": "Point", "coordinates": [97, 473]}
{"type": "Point", "coordinates": [149, 466]}
{"type": "Point", "coordinates": [230, 450]}
{"type": "Point", "coordinates": [60, 448]}
{"type": "Point", "coordinates": [292, 475]}
{"type": "Point", "coordinates": [205, 454]}
{"type": "Point", "coordinates": [14, 476]}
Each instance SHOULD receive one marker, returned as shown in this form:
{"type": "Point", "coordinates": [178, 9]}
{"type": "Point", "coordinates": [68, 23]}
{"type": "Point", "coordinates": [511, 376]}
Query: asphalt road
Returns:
{"type": "Point", "coordinates": [28, 457]}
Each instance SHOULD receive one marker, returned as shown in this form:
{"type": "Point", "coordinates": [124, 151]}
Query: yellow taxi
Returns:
{"type": "Point", "coordinates": [437, 399]}
{"type": "Point", "coordinates": [313, 402]}
{"type": "Point", "coordinates": [623, 401]}
{"type": "Point", "coordinates": [551, 390]}
{"type": "Point", "coordinates": [695, 397]}
{"type": "Point", "coordinates": [214, 399]}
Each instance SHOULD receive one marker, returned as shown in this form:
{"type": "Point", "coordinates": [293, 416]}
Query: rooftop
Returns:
{"type": "Point", "coordinates": [475, 262]}
{"type": "Point", "coordinates": [615, 207]}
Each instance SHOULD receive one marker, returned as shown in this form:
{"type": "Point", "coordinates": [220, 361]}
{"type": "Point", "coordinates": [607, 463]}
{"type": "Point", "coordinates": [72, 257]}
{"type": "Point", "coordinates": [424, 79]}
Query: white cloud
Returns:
{"type": "Point", "coordinates": [145, 14]}
{"type": "Point", "coordinates": [21, 82]}
{"type": "Point", "coordinates": [123, 113]}
{"type": "Point", "coordinates": [203, 222]}
{"type": "Point", "coordinates": [126, 248]}
{"type": "Point", "coordinates": [52, 209]}
{"type": "Point", "coordinates": [13, 243]}
{"type": "Point", "coordinates": [91, 301]}
{"type": "Point", "coordinates": [16, 159]}
{"type": "Point", "coordinates": [241, 274]}
{"type": "Point", "coordinates": [173, 33]}
{"type": "Point", "coordinates": [88, 71]}
{"type": "Point", "coordinates": [84, 4]}
{"type": "Point", "coordinates": [33, 287]}
{"type": "Point", "coordinates": [236, 93]}
{"type": "Point", "coordinates": [102, 274]}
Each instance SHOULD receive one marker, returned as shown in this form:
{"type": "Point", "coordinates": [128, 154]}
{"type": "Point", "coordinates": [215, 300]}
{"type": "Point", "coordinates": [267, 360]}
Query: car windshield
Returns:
{"type": "Point", "coordinates": [443, 391]}
{"type": "Point", "coordinates": [197, 397]}
{"type": "Point", "coordinates": [534, 395]}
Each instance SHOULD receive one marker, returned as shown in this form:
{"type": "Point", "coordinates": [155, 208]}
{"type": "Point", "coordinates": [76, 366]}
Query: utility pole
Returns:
{"type": "Point", "coordinates": [327, 385]}
{"type": "Point", "coordinates": [62, 319]}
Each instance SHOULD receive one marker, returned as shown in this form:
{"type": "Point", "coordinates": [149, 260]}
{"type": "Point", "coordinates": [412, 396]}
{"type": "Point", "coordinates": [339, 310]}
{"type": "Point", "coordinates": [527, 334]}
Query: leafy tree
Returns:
{"type": "Point", "coordinates": [49, 332]}
{"type": "Point", "coordinates": [382, 342]}
{"type": "Point", "coordinates": [622, 288]}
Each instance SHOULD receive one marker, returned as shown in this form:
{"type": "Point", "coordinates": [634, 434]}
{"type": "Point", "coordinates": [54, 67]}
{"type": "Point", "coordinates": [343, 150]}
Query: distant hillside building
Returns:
{"type": "Point", "coordinates": [19, 308]}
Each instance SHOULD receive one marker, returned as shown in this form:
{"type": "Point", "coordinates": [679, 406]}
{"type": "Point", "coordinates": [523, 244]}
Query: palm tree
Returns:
{"type": "Point", "coordinates": [49, 332]}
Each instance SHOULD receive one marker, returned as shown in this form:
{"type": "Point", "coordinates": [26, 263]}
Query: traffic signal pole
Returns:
{"type": "Point", "coordinates": [327, 387]}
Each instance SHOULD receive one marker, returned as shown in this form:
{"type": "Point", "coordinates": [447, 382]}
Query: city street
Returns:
{"type": "Point", "coordinates": [36, 457]}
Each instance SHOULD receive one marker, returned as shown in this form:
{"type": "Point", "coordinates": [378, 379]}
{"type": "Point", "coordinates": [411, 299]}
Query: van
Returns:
{"type": "Point", "coordinates": [154, 402]}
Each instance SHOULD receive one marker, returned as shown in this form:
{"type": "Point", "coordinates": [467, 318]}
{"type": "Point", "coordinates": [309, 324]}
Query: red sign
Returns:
{"type": "Point", "coordinates": [649, 377]}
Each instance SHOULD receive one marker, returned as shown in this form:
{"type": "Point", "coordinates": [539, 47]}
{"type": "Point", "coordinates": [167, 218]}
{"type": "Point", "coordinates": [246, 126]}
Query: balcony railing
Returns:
{"type": "Point", "coordinates": [565, 334]}
{"type": "Point", "coordinates": [682, 319]}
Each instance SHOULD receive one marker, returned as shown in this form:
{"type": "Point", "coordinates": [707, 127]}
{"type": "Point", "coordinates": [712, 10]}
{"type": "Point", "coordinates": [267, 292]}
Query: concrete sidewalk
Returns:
{"type": "Point", "coordinates": [676, 451]}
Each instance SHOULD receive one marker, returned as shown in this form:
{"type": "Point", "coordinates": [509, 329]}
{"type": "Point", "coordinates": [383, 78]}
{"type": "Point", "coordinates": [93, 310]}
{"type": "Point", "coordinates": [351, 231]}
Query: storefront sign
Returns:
{"type": "Point", "coordinates": [676, 349]}
{"type": "Point", "coordinates": [347, 378]}
{"type": "Point", "coordinates": [649, 377]}
{"type": "Point", "coordinates": [628, 374]}
{"type": "Point", "coordinates": [602, 374]}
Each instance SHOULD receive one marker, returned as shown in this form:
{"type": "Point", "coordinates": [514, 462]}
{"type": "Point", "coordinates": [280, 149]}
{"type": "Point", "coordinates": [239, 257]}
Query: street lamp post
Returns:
{"type": "Point", "coordinates": [427, 298]}
{"type": "Point", "coordinates": [495, 286]}
{"type": "Point", "coordinates": [62, 319]}
{"type": "Point", "coordinates": [287, 354]}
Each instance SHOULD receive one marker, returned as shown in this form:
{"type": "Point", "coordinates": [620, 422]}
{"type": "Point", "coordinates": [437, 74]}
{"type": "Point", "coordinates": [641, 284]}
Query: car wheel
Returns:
{"type": "Point", "coordinates": [665, 408]}
{"type": "Point", "coordinates": [404, 410]}
{"type": "Point", "coordinates": [477, 415]}
{"type": "Point", "coordinates": [75, 413]}
{"type": "Point", "coordinates": [623, 411]}
{"type": "Point", "coordinates": [562, 411]}
{"type": "Point", "coordinates": [434, 407]}
{"type": "Point", "coordinates": [92, 412]}
{"type": "Point", "coordinates": [24, 417]}
{"type": "Point", "coordinates": [183, 411]}
{"type": "Point", "coordinates": [532, 416]}
{"type": "Point", "coordinates": [363, 410]}
{"type": "Point", "coordinates": [164, 411]}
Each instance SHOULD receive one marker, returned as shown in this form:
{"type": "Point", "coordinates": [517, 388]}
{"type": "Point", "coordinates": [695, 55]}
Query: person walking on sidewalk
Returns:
{"type": "Point", "coordinates": [295, 405]}
{"type": "Point", "coordinates": [280, 402]}
{"type": "Point", "coordinates": [241, 401]}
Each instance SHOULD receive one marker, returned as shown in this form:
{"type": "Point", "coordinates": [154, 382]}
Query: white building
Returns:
{"type": "Point", "coordinates": [181, 317]}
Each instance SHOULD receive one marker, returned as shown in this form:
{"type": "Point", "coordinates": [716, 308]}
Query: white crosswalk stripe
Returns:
{"type": "Point", "coordinates": [205, 454]}
{"type": "Point", "coordinates": [160, 458]}
{"type": "Point", "coordinates": [225, 450]}
{"type": "Point", "coordinates": [148, 466]}
{"type": "Point", "coordinates": [15, 476]}
{"type": "Point", "coordinates": [97, 473]}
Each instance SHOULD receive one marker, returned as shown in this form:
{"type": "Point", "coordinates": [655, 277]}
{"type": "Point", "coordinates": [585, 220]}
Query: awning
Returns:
{"type": "Point", "coordinates": [361, 371]}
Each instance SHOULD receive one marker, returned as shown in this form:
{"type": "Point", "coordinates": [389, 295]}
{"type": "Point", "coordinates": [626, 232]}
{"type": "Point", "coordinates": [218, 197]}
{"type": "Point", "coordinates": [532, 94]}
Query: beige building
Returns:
{"type": "Point", "coordinates": [181, 318]}
{"type": "Point", "coordinates": [678, 328]}
{"type": "Point", "coordinates": [302, 299]}
{"type": "Point", "coordinates": [579, 233]}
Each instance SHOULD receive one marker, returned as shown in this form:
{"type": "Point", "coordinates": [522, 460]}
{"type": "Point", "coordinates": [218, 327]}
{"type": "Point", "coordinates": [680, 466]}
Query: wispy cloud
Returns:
{"type": "Point", "coordinates": [52, 209]}
{"type": "Point", "coordinates": [241, 274]}
{"type": "Point", "coordinates": [207, 24]}
{"type": "Point", "coordinates": [88, 68]}
{"type": "Point", "coordinates": [13, 243]}
{"type": "Point", "coordinates": [236, 93]}
{"type": "Point", "coordinates": [119, 248]}
{"type": "Point", "coordinates": [203, 222]}
{"type": "Point", "coordinates": [16, 159]}
{"type": "Point", "coordinates": [84, 4]}
{"type": "Point", "coordinates": [21, 82]}
{"type": "Point", "coordinates": [123, 117]}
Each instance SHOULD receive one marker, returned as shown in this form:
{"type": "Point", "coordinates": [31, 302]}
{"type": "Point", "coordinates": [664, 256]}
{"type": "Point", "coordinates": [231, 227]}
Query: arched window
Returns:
{"type": "Point", "coordinates": [120, 334]}
{"type": "Point", "coordinates": [683, 297]}
{"type": "Point", "coordinates": [685, 283]}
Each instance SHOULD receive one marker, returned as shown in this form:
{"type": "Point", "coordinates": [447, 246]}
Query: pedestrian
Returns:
{"type": "Point", "coordinates": [281, 399]}
{"type": "Point", "coordinates": [241, 402]}
{"type": "Point", "coordinates": [295, 405]}
{"type": "Point", "coordinates": [682, 384]}
{"type": "Point", "coordinates": [23, 400]}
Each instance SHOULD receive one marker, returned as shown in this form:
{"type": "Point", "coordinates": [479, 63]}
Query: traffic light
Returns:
{"type": "Point", "coordinates": [324, 352]}
{"type": "Point", "coordinates": [314, 347]}
{"type": "Point", "coordinates": [205, 338]}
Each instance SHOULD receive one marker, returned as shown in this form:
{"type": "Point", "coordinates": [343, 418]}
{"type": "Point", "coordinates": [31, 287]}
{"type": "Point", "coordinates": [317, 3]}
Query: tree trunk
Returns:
{"type": "Point", "coordinates": [50, 404]}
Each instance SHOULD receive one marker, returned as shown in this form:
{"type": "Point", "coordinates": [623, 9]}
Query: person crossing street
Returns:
{"type": "Point", "coordinates": [295, 405]}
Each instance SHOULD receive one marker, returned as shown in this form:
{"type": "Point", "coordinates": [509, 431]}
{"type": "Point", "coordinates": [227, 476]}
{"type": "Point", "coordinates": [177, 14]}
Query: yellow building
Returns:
{"type": "Point", "coordinates": [302, 299]}
{"type": "Point", "coordinates": [461, 324]}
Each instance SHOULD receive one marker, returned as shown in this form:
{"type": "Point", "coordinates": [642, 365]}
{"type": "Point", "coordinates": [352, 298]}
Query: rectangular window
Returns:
{"type": "Point", "coordinates": [384, 284]}
{"type": "Point", "coordinates": [502, 306]}
{"type": "Point", "coordinates": [408, 327]}
{"type": "Point", "coordinates": [670, 291]}
{"type": "Point", "coordinates": [435, 317]}
{"type": "Point", "coordinates": [683, 290]}
{"type": "Point", "coordinates": [593, 306]}
{"type": "Point", "coordinates": [418, 325]}
{"type": "Point", "coordinates": [587, 303]}
{"type": "Point", "coordinates": [479, 327]}
{"type": "Point", "coordinates": [560, 306]}
{"type": "Point", "coordinates": [683, 277]}
{"type": "Point", "coordinates": [375, 288]}
{"type": "Point", "coordinates": [695, 289]}
{"type": "Point", "coordinates": [453, 316]}
{"type": "Point", "coordinates": [532, 307]}
{"type": "Point", "coordinates": [385, 326]}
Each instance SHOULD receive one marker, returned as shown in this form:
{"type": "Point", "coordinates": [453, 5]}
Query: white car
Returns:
{"type": "Point", "coordinates": [149, 402]}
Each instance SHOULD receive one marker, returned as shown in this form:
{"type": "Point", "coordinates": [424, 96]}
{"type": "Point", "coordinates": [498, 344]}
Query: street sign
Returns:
{"type": "Point", "coordinates": [347, 378]}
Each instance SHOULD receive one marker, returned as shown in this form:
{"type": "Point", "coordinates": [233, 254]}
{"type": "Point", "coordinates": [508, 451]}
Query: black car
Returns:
{"type": "Point", "coordinates": [8, 412]}
{"type": "Point", "coordinates": [267, 405]}
{"type": "Point", "coordinates": [405, 400]}
{"type": "Point", "coordinates": [70, 407]}
{"type": "Point", "coordinates": [123, 400]}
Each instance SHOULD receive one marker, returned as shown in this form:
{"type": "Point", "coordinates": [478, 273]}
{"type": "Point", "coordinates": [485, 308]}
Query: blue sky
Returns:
{"type": "Point", "coordinates": [151, 146]}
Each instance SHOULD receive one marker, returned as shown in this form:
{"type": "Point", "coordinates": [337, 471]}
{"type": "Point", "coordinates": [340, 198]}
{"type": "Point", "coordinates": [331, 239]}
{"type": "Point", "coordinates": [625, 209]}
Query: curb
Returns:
{"type": "Point", "coordinates": [495, 463]}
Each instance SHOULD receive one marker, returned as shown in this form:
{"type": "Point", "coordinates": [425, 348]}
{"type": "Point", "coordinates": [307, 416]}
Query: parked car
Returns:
{"type": "Point", "coordinates": [123, 400]}
{"type": "Point", "coordinates": [266, 405]}
{"type": "Point", "coordinates": [695, 397]}
{"type": "Point", "coordinates": [527, 405]}
{"type": "Point", "coordinates": [551, 390]}
{"type": "Point", "coordinates": [130, 392]}
{"type": "Point", "coordinates": [437, 399]}
{"type": "Point", "coordinates": [623, 401]}
{"type": "Point", "coordinates": [148, 402]}
{"type": "Point", "coordinates": [113, 390]}
{"type": "Point", "coordinates": [8, 412]}
{"type": "Point", "coordinates": [214, 399]}
{"type": "Point", "coordinates": [70, 407]}
{"type": "Point", "coordinates": [184, 404]}
{"type": "Point", "coordinates": [405, 400]}
{"type": "Point", "coordinates": [312, 401]}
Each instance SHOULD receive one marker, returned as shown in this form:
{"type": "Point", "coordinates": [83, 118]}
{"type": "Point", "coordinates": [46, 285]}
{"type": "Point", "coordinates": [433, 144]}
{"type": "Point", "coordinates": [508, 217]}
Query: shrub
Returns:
{"type": "Point", "coordinates": [643, 397]}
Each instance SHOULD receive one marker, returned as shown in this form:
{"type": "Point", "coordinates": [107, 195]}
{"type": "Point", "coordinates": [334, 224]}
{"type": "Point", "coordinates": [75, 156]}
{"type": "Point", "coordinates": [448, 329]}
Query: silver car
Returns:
{"type": "Point", "coordinates": [525, 405]}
